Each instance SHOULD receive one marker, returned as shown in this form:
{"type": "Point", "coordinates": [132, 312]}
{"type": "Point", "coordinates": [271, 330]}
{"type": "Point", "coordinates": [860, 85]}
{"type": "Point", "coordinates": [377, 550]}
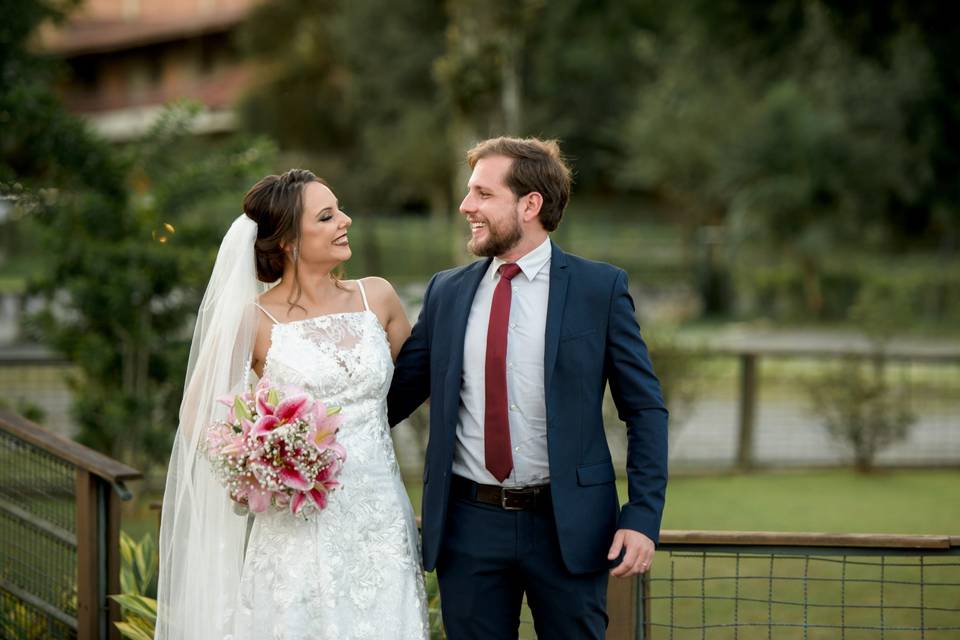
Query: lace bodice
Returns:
{"type": "Point", "coordinates": [344, 360]}
{"type": "Point", "coordinates": [352, 571]}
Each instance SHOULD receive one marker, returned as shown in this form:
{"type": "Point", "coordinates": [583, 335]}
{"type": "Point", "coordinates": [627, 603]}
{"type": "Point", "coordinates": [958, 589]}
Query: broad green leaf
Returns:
{"type": "Point", "coordinates": [140, 605]}
{"type": "Point", "coordinates": [133, 633]}
{"type": "Point", "coordinates": [240, 409]}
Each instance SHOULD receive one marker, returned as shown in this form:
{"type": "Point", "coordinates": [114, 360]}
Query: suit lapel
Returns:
{"type": "Point", "coordinates": [556, 300]}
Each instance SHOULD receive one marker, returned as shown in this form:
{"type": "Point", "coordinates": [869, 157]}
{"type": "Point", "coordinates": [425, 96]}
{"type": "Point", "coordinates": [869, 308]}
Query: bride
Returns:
{"type": "Point", "coordinates": [352, 570]}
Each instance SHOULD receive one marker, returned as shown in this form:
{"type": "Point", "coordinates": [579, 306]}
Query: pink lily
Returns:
{"type": "Point", "coordinates": [294, 479]}
{"type": "Point", "coordinates": [265, 425]}
{"type": "Point", "coordinates": [323, 474]}
{"type": "Point", "coordinates": [323, 435]}
{"type": "Point", "coordinates": [264, 408]}
{"type": "Point", "coordinates": [216, 438]}
{"type": "Point", "coordinates": [340, 452]}
{"type": "Point", "coordinates": [233, 446]}
{"type": "Point", "coordinates": [227, 401]}
{"type": "Point", "coordinates": [296, 502]}
{"type": "Point", "coordinates": [325, 477]}
{"type": "Point", "coordinates": [319, 497]}
{"type": "Point", "coordinates": [291, 408]}
{"type": "Point", "coordinates": [322, 414]}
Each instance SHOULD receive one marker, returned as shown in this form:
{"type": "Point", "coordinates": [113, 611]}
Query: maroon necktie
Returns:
{"type": "Point", "coordinates": [496, 423]}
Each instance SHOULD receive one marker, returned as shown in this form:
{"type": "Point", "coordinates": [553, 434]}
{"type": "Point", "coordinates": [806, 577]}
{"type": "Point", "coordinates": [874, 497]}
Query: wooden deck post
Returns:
{"type": "Point", "coordinates": [622, 608]}
{"type": "Point", "coordinates": [89, 618]}
{"type": "Point", "coordinates": [748, 410]}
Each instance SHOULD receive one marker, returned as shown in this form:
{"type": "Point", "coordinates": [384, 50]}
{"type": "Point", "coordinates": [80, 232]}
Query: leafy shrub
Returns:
{"type": "Point", "coordinates": [138, 570]}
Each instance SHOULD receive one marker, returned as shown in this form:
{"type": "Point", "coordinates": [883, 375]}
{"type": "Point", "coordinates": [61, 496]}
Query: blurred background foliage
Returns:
{"type": "Point", "coordinates": [815, 136]}
{"type": "Point", "coordinates": [776, 160]}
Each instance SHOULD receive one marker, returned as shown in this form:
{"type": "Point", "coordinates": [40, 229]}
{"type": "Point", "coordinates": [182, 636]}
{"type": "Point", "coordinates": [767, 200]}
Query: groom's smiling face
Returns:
{"type": "Point", "coordinates": [491, 208]}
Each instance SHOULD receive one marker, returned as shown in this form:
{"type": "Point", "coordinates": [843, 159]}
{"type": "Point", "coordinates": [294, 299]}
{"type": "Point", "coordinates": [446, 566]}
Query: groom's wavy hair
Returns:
{"type": "Point", "coordinates": [275, 203]}
{"type": "Point", "coordinates": [537, 166]}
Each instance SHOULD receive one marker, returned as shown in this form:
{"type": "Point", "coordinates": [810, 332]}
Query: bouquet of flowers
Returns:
{"type": "Point", "coordinates": [277, 447]}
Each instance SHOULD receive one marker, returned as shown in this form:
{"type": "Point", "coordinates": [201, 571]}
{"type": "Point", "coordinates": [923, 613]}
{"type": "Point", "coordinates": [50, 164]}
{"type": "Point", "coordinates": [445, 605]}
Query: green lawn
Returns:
{"type": "Point", "coordinates": [832, 501]}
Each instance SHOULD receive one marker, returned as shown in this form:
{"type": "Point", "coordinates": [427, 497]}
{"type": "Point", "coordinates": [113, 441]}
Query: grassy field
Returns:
{"type": "Point", "coordinates": [833, 501]}
{"type": "Point", "coordinates": [836, 501]}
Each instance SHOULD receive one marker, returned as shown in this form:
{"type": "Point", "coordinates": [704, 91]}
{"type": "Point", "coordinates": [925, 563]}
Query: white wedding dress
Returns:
{"type": "Point", "coordinates": [353, 570]}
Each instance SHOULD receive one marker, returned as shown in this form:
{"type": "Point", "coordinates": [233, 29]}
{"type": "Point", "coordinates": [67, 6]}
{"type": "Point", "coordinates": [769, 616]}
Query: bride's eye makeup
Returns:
{"type": "Point", "coordinates": [327, 214]}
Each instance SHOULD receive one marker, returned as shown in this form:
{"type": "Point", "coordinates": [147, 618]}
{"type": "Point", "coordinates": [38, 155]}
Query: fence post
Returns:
{"type": "Point", "coordinates": [98, 557]}
{"type": "Point", "coordinates": [644, 597]}
{"type": "Point", "coordinates": [622, 608]}
{"type": "Point", "coordinates": [88, 561]}
{"type": "Point", "coordinates": [112, 536]}
{"type": "Point", "coordinates": [748, 410]}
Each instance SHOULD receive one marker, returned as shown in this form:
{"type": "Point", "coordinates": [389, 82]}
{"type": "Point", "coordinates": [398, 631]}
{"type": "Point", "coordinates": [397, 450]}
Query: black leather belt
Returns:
{"type": "Point", "coordinates": [514, 499]}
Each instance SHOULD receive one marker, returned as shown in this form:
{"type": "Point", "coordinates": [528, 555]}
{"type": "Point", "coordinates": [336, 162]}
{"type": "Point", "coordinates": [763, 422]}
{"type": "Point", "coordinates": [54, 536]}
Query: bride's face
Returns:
{"type": "Point", "coordinates": [323, 227]}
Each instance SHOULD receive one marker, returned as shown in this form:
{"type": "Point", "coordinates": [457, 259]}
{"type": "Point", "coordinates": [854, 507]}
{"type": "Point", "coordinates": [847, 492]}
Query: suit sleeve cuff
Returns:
{"type": "Point", "coordinates": [639, 519]}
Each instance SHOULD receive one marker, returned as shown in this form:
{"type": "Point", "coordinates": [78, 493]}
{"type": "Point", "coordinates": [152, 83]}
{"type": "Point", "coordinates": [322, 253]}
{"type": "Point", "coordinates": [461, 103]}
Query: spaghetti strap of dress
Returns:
{"type": "Point", "coordinates": [363, 294]}
{"type": "Point", "coordinates": [267, 313]}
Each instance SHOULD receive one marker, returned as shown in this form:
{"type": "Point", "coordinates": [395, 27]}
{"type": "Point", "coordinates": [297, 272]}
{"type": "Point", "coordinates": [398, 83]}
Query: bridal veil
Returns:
{"type": "Point", "coordinates": [201, 537]}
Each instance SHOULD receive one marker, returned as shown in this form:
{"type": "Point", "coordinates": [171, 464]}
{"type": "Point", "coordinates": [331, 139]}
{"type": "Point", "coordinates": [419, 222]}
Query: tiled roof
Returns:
{"type": "Point", "coordinates": [86, 36]}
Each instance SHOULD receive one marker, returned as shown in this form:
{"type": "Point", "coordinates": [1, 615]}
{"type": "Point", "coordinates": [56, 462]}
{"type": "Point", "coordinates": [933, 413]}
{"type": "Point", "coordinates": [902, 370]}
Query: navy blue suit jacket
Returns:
{"type": "Point", "coordinates": [592, 338]}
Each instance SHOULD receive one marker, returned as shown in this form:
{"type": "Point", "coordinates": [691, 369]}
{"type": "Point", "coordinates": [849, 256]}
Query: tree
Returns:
{"type": "Point", "coordinates": [799, 153]}
{"type": "Point", "coordinates": [582, 64]}
{"type": "Point", "coordinates": [124, 280]}
{"type": "Point", "coordinates": [43, 148]}
{"type": "Point", "coordinates": [358, 102]}
{"type": "Point", "coordinates": [41, 144]}
{"type": "Point", "coordinates": [858, 402]}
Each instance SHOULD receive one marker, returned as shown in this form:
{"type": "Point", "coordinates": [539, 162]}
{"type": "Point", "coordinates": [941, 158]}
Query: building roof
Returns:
{"type": "Point", "coordinates": [98, 35]}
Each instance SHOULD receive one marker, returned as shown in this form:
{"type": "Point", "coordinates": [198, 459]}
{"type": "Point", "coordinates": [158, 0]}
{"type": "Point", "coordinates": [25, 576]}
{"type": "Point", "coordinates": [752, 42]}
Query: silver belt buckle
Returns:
{"type": "Point", "coordinates": [503, 498]}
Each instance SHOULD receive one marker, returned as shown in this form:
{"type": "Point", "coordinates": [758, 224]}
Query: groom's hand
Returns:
{"type": "Point", "coordinates": [637, 553]}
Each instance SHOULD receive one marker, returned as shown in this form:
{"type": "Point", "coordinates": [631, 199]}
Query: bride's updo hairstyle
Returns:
{"type": "Point", "coordinates": [275, 203]}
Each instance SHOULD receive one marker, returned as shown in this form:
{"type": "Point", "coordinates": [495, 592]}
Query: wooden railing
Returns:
{"type": "Point", "coordinates": [749, 359]}
{"type": "Point", "coordinates": [792, 585]}
{"type": "Point", "coordinates": [60, 517]}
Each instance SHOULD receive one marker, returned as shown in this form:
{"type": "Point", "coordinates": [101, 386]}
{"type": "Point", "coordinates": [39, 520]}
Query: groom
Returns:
{"type": "Point", "coordinates": [514, 352]}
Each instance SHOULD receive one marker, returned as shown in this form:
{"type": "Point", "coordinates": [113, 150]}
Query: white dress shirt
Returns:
{"type": "Point", "coordinates": [525, 395]}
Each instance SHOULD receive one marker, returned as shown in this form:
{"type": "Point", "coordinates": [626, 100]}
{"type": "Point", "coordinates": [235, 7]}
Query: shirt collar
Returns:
{"type": "Point", "coordinates": [530, 264]}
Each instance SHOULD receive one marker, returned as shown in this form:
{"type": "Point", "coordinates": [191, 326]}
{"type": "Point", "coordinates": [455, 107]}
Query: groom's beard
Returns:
{"type": "Point", "coordinates": [499, 239]}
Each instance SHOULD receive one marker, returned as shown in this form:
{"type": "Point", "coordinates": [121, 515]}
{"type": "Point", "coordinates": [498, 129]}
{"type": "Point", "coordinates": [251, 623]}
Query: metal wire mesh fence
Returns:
{"type": "Point", "coordinates": [820, 587]}
{"type": "Point", "coordinates": [59, 528]}
{"type": "Point", "coordinates": [766, 409]}
{"type": "Point", "coordinates": [21, 622]}
{"type": "Point", "coordinates": [38, 554]}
